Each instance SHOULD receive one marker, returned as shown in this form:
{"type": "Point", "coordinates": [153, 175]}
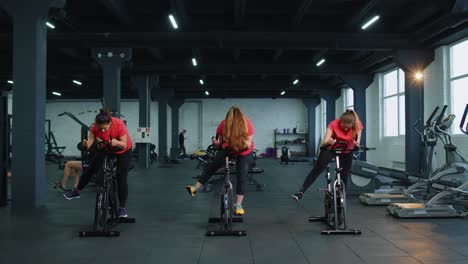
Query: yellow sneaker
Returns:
{"type": "Point", "coordinates": [238, 210]}
{"type": "Point", "coordinates": [191, 191]}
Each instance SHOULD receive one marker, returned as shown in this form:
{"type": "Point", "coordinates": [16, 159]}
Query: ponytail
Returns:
{"type": "Point", "coordinates": [351, 117]}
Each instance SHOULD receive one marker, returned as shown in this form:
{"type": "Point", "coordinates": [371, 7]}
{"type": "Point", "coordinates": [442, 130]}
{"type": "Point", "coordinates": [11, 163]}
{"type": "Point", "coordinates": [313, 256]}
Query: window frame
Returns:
{"type": "Point", "coordinates": [400, 92]}
{"type": "Point", "coordinates": [450, 80]}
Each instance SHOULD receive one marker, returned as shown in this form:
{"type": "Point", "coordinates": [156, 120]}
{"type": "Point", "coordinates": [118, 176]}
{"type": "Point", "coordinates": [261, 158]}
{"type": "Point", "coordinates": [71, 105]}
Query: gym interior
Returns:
{"type": "Point", "coordinates": [172, 70]}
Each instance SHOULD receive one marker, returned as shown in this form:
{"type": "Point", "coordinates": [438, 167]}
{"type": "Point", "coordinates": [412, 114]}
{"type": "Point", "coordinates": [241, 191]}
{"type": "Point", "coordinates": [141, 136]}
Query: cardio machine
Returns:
{"type": "Point", "coordinates": [106, 209]}
{"type": "Point", "coordinates": [451, 182]}
{"type": "Point", "coordinates": [387, 196]}
{"type": "Point", "coordinates": [335, 198]}
{"type": "Point", "coordinates": [226, 209]}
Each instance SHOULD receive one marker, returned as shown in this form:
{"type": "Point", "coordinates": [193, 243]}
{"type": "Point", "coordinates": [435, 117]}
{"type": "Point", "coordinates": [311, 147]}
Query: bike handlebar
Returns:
{"type": "Point", "coordinates": [429, 120]}
{"type": "Point", "coordinates": [441, 116]}
{"type": "Point", "coordinates": [462, 123]}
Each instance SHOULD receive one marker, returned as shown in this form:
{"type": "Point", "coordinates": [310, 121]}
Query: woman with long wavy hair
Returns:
{"type": "Point", "coordinates": [235, 135]}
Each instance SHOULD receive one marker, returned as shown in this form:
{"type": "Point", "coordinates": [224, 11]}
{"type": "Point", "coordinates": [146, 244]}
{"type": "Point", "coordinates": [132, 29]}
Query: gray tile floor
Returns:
{"type": "Point", "coordinates": [170, 227]}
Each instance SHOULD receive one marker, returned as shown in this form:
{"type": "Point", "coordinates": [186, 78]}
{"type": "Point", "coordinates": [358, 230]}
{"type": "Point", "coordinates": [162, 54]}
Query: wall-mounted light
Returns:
{"type": "Point", "coordinates": [419, 76]}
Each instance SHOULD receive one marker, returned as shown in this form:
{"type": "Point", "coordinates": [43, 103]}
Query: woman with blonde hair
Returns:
{"type": "Point", "coordinates": [347, 128]}
{"type": "Point", "coordinates": [235, 137]}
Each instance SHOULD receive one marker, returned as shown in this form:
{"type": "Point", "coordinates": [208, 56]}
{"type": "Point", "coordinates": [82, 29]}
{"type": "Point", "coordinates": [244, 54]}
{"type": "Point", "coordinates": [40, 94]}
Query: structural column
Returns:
{"type": "Point", "coordinates": [175, 104]}
{"type": "Point", "coordinates": [359, 84]}
{"type": "Point", "coordinates": [111, 61]}
{"type": "Point", "coordinates": [411, 62]}
{"type": "Point", "coordinates": [163, 95]}
{"type": "Point", "coordinates": [29, 77]}
{"type": "Point", "coordinates": [311, 104]}
{"type": "Point", "coordinates": [144, 84]}
{"type": "Point", "coordinates": [4, 146]}
{"type": "Point", "coordinates": [330, 97]}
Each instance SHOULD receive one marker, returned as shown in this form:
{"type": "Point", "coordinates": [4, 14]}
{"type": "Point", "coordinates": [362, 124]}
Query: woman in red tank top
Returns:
{"type": "Point", "coordinates": [347, 128]}
{"type": "Point", "coordinates": [235, 138]}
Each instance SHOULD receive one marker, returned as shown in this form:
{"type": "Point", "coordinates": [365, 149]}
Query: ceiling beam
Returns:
{"type": "Point", "coordinates": [179, 7]}
{"type": "Point", "coordinates": [236, 54]}
{"type": "Point", "coordinates": [248, 40]}
{"type": "Point", "coordinates": [156, 53]}
{"type": "Point", "coordinates": [358, 18]}
{"type": "Point", "coordinates": [254, 69]}
{"type": "Point", "coordinates": [217, 69]}
{"type": "Point", "coordinates": [239, 11]}
{"type": "Point", "coordinates": [278, 53]}
{"type": "Point", "coordinates": [300, 12]}
{"type": "Point", "coordinates": [118, 9]}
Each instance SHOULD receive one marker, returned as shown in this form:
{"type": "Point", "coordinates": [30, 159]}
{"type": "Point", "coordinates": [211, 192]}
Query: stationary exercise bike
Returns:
{"type": "Point", "coordinates": [106, 210]}
{"type": "Point", "coordinates": [335, 197]}
{"type": "Point", "coordinates": [226, 211]}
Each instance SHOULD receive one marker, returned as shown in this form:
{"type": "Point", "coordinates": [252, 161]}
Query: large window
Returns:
{"type": "Point", "coordinates": [458, 81]}
{"type": "Point", "coordinates": [348, 98]}
{"type": "Point", "coordinates": [394, 103]}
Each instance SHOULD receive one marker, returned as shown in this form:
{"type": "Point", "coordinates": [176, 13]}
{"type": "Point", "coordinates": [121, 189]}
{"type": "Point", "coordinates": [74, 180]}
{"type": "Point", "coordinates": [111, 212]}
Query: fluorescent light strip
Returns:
{"type": "Point", "coordinates": [283, 92]}
{"type": "Point", "coordinates": [57, 94]}
{"type": "Point", "coordinates": [50, 25]}
{"type": "Point", "coordinates": [320, 62]}
{"type": "Point", "coordinates": [194, 62]}
{"type": "Point", "coordinates": [10, 81]}
{"type": "Point", "coordinates": [202, 82]}
{"type": "Point", "coordinates": [207, 93]}
{"type": "Point", "coordinates": [173, 22]}
{"type": "Point", "coordinates": [77, 82]}
{"type": "Point", "coordinates": [370, 22]}
{"type": "Point", "coordinates": [296, 81]}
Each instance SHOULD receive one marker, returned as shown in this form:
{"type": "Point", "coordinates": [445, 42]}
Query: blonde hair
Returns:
{"type": "Point", "coordinates": [235, 131]}
{"type": "Point", "coordinates": [351, 117]}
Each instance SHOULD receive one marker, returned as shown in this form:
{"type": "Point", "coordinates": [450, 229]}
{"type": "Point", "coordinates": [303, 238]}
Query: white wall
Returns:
{"type": "Point", "coordinates": [266, 115]}
{"type": "Point", "coordinates": [67, 131]}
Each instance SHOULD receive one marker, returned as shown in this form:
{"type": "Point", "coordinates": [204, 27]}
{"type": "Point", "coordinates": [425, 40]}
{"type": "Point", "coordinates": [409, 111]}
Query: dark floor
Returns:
{"type": "Point", "coordinates": [170, 227]}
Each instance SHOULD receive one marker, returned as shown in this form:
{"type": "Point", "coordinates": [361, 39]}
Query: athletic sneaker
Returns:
{"type": "Point", "coordinates": [191, 191]}
{"type": "Point", "coordinates": [73, 194]}
{"type": "Point", "coordinates": [238, 210]}
{"type": "Point", "coordinates": [122, 212]}
{"type": "Point", "coordinates": [297, 196]}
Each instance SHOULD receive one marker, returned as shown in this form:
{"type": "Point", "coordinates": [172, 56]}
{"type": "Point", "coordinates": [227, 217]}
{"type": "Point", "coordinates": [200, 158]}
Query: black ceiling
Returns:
{"type": "Point", "coordinates": [244, 48]}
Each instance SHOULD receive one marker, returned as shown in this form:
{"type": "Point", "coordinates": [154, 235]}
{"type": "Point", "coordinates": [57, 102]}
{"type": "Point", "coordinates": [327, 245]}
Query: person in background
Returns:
{"type": "Point", "coordinates": [181, 142]}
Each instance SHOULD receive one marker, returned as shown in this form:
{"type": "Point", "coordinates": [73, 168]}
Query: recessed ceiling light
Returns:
{"type": "Point", "coordinates": [173, 21]}
{"type": "Point", "coordinates": [370, 22]}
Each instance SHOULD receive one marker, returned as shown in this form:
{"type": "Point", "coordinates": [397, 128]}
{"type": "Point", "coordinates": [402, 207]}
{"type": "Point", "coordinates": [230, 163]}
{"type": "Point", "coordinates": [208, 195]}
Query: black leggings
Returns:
{"type": "Point", "coordinates": [324, 158]}
{"type": "Point", "coordinates": [123, 163]}
{"type": "Point", "coordinates": [219, 160]}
